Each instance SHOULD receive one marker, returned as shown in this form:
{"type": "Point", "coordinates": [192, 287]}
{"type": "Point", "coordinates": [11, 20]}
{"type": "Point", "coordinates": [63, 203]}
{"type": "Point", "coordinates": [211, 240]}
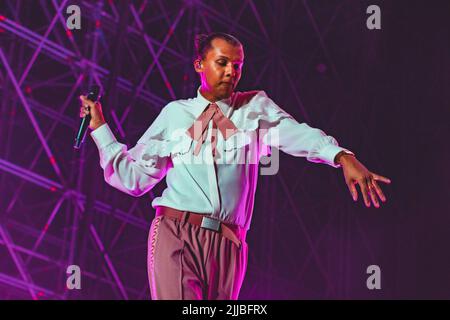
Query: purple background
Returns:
{"type": "Point", "coordinates": [384, 94]}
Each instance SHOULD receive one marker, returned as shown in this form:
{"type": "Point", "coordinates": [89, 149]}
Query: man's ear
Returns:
{"type": "Point", "coordinates": [198, 66]}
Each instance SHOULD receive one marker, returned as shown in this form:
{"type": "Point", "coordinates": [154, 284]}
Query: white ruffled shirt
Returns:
{"type": "Point", "coordinates": [223, 187]}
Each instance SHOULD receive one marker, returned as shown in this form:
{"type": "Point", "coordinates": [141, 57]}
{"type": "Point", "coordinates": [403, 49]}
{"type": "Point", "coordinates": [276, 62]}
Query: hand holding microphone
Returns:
{"type": "Point", "coordinates": [91, 114]}
{"type": "Point", "coordinates": [94, 109]}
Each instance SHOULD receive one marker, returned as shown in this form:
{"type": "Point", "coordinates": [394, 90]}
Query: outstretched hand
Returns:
{"type": "Point", "coordinates": [356, 173]}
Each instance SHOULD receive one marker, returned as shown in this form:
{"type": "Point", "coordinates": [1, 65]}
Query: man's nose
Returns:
{"type": "Point", "coordinates": [230, 72]}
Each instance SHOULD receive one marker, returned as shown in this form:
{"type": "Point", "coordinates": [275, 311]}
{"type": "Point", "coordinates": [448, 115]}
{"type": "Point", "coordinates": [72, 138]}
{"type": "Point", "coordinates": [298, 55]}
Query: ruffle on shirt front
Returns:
{"type": "Point", "coordinates": [153, 148]}
{"type": "Point", "coordinates": [262, 114]}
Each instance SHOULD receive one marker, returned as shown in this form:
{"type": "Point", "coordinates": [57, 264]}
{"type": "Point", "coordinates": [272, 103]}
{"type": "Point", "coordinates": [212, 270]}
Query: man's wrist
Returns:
{"type": "Point", "coordinates": [98, 125]}
{"type": "Point", "coordinates": [342, 156]}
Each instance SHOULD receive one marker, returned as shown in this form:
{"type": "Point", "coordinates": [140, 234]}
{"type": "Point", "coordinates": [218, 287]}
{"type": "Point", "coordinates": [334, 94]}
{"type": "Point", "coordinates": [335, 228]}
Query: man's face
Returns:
{"type": "Point", "coordinates": [220, 71]}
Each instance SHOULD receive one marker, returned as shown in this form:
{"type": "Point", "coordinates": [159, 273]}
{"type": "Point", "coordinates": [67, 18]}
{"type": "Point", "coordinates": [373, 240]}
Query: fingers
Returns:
{"type": "Point", "coordinates": [85, 106]}
{"type": "Point", "coordinates": [364, 190]}
{"type": "Point", "coordinates": [88, 104]}
{"type": "Point", "coordinates": [372, 194]}
{"type": "Point", "coordinates": [377, 177]}
{"type": "Point", "coordinates": [84, 111]}
{"type": "Point", "coordinates": [353, 192]}
{"type": "Point", "coordinates": [378, 190]}
{"type": "Point", "coordinates": [85, 101]}
{"type": "Point", "coordinates": [370, 191]}
{"type": "Point", "coordinates": [89, 107]}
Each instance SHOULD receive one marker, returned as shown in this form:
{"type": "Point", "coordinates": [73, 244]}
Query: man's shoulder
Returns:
{"type": "Point", "coordinates": [245, 97]}
{"type": "Point", "coordinates": [249, 100]}
{"type": "Point", "coordinates": [248, 94]}
{"type": "Point", "coordinates": [177, 105]}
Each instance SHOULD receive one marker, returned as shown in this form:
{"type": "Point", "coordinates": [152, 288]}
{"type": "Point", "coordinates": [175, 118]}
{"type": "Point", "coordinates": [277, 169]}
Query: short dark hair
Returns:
{"type": "Point", "coordinates": [203, 42]}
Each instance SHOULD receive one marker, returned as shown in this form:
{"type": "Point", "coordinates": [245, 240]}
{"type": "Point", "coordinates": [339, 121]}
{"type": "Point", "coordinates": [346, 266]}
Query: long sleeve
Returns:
{"type": "Point", "coordinates": [134, 171]}
{"type": "Point", "coordinates": [294, 138]}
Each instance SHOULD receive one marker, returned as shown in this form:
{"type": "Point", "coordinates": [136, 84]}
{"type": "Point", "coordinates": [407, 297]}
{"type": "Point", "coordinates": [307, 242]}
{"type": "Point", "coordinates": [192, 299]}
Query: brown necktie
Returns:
{"type": "Point", "coordinates": [199, 130]}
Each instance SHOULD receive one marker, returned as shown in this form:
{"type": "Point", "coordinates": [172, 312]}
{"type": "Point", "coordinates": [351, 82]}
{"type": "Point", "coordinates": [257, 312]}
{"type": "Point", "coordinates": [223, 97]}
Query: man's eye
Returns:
{"type": "Point", "coordinates": [222, 63]}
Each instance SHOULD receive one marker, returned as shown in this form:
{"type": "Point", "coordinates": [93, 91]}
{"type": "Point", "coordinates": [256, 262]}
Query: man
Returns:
{"type": "Point", "coordinates": [197, 247]}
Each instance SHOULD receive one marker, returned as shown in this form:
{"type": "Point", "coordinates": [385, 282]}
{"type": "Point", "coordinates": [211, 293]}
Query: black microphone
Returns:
{"type": "Point", "coordinates": [93, 96]}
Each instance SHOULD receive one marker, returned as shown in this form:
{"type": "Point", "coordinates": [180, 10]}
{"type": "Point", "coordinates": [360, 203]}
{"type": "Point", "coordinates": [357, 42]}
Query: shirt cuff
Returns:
{"type": "Point", "coordinates": [103, 136]}
{"type": "Point", "coordinates": [329, 153]}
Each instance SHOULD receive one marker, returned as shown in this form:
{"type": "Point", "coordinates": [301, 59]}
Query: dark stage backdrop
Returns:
{"type": "Point", "coordinates": [383, 93]}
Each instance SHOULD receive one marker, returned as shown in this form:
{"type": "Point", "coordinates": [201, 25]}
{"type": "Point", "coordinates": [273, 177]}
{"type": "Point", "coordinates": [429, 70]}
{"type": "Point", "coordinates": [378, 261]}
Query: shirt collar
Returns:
{"type": "Point", "coordinates": [202, 103]}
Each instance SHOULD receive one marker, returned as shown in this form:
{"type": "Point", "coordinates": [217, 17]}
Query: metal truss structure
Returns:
{"type": "Point", "coordinates": [56, 210]}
